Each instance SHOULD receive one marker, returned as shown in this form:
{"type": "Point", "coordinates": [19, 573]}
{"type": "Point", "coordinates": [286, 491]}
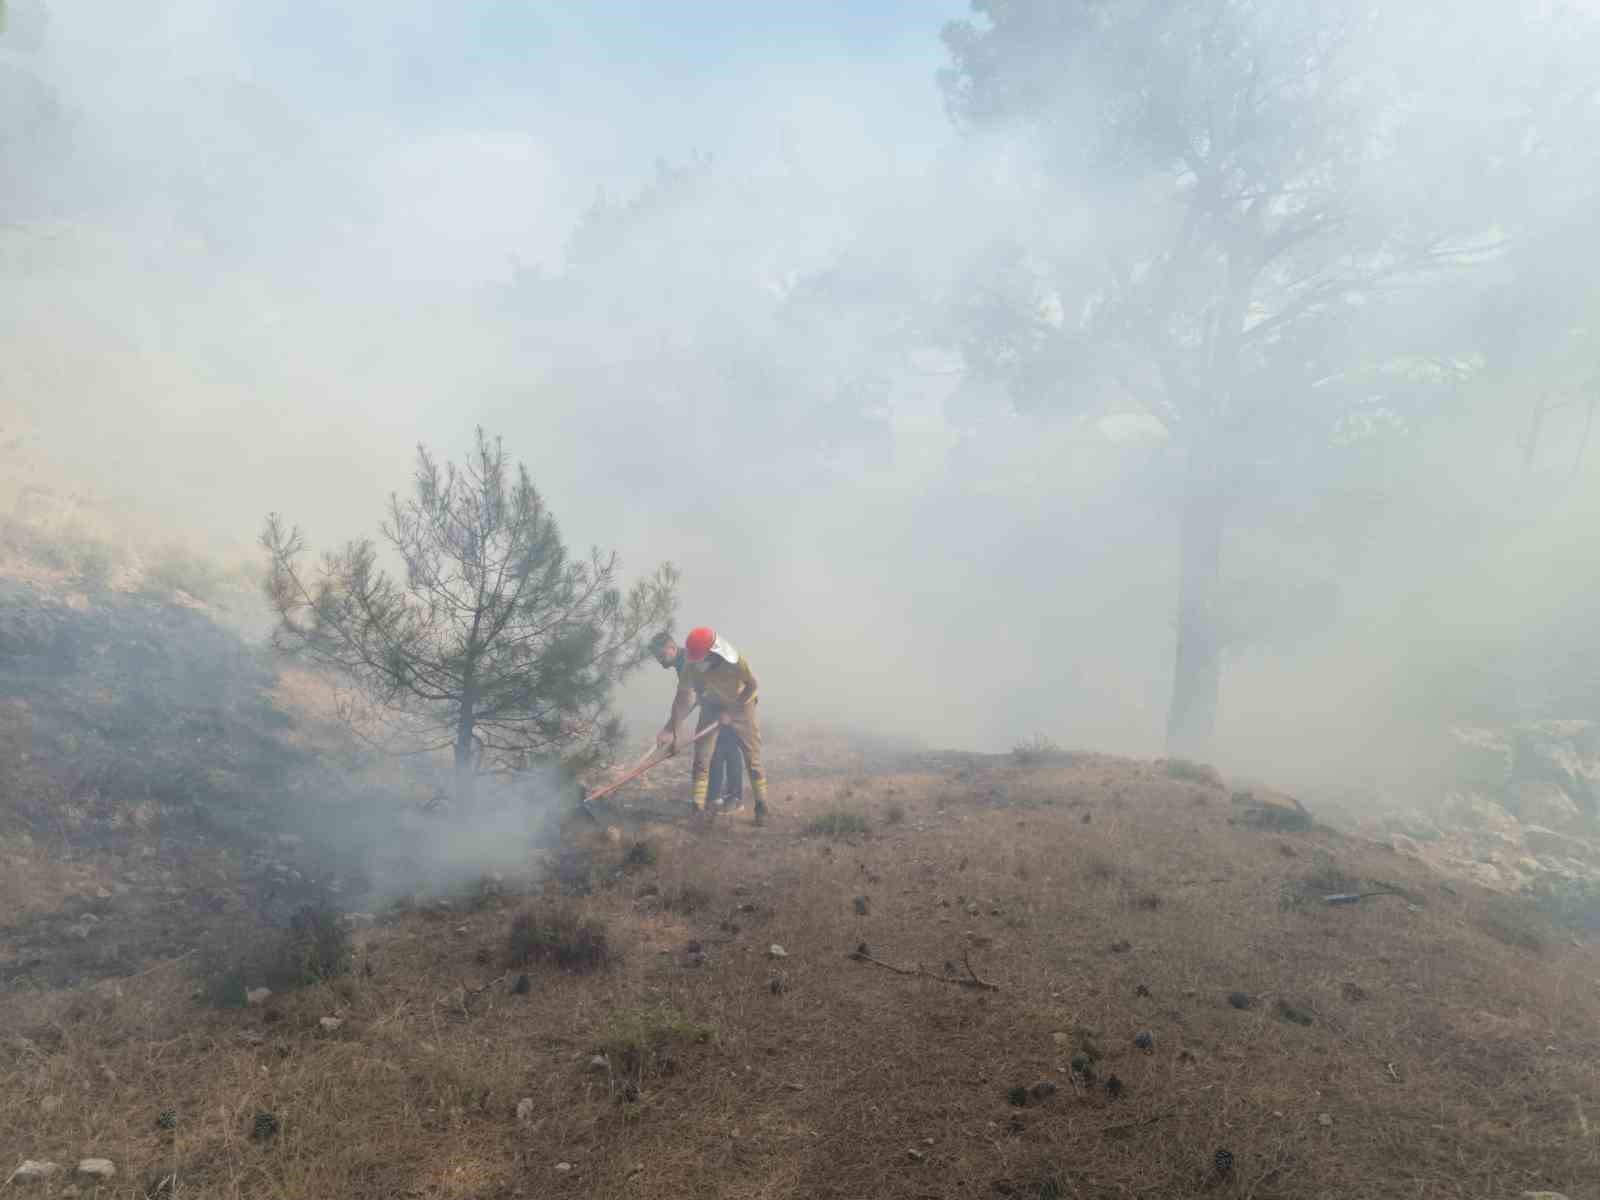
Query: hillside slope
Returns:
{"type": "Point", "coordinates": [1132, 922]}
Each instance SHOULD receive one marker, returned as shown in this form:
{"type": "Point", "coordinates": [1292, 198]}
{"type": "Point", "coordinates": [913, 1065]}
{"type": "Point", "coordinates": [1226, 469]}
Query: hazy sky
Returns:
{"type": "Point", "coordinates": [256, 250]}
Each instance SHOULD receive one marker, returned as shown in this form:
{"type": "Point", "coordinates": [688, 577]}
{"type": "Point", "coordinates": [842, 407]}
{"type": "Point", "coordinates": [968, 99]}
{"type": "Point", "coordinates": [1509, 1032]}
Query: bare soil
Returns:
{"type": "Point", "coordinates": [1165, 982]}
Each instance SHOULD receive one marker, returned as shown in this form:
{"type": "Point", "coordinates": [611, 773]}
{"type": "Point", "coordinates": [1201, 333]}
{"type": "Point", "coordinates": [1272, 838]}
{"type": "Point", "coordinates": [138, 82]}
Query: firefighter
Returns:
{"type": "Point", "coordinates": [726, 778]}
{"type": "Point", "coordinates": [721, 678]}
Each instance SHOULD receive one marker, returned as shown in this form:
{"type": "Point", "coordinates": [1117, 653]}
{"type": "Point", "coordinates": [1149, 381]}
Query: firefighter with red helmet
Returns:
{"type": "Point", "coordinates": [721, 678]}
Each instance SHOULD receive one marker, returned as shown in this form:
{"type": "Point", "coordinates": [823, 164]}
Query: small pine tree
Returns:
{"type": "Point", "coordinates": [494, 644]}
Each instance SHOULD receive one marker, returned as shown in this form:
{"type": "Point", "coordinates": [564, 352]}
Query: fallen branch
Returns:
{"type": "Point", "coordinates": [468, 993]}
{"type": "Point", "coordinates": [1129, 1126]}
{"type": "Point", "coordinates": [861, 954]}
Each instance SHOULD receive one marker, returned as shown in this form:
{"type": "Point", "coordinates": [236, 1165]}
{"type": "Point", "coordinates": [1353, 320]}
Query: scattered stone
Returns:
{"type": "Point", "coordinates": [50, 1103]}
{"type": "Point", "coordinates": [599, 1063]}
{"type": "Point", "coordinates": [970, 908]}
{"type": "Point", "coordinates": [1240, 1000]}
{"type": "Point", "coordinates": [35, 1172]}
{"type": "Point", "coordinates": [258, 995]}
{"type": "Point", "coordinates": [96, 1168]}
{"type": "Point", "coordinates": [522, 986]}
{"type": "Point", "coordinates": [330, 1024]}
{"type": "Point", "coordinates": [1145, 1041]}
{"type": "Point", "coordinates": [101, 893]}
{"type": "Point", "coordinates": [1404, 845]}
{"type": "Point", "coordinates": [776, 951]}
{"type": "Point", "coordinates": [525, 1109]}
{"type": "Point", "coordinates": [563, 1167]}
{"type": "Point", "coordinates": [1325, 1120]}
{"type": "Point", "coordinates": [915, 1155]}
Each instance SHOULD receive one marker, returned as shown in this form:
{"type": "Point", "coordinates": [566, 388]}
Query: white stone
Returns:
{"type": "Point", "coordinates": [563, 1167]}
{"type": "Point", "coordinates": [330, 1023]}
{"type": "Point", "coordinates": [776, 951]}
{"type": "Point", "coordinates": [258, 995]}
{"type": "Point", "coordinates": [35, 1172]}
{"type": "Point", "coordinates": [525, 1109]}
{"type": "Point", "coordinates": [96, 1168]}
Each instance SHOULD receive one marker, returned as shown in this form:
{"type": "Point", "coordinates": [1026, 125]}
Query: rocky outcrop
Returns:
{"type": "Point", "coordinates": [1544, 773]}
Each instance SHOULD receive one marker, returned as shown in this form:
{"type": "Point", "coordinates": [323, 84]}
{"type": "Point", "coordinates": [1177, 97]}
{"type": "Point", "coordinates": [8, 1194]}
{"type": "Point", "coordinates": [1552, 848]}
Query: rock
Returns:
{"type": "Point", "coordinates": [1404, 844]}
{"type": "Point", "coordinates": [258, 995]}
{"type": "Point", "coordinates": [915, 1155]}
{"type": "Point", "coordinates": [96, 1168]}
{"type": "Point", "coordinates": [522, 986]}
{"type": "Point", "coordinates": [50, 1103]}
{"type": "Point", "coordinates": [1545, 803]}
{"type": "Point", "coordinates": [776, 951]}
{"type": "Point", "coordinates": [101, 893]}
{"type": "Point", "coordinates": [970, 908]}
{"type": "Point", "coordinates": [563, 1167]}
{"type": "Point", "coordinates": [1325, 1120]}
{"type": "Point", "coordinates": [1547, 841]}
{"type": "Point", "coordinates": [330, 1024]}
{"type": "Point", "coordinates": [35, 1172]}
{"type": "Point", "coordinates": [1240, 1000]}
{"type": "Point", "coordinates": [525, 1109]}
{"type": "Point", "coordinates": [599, 1063]}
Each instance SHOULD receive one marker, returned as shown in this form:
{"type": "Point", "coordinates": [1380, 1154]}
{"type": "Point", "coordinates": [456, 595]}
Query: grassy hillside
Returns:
{"type": "Point", "coordinates": [1082, 976]}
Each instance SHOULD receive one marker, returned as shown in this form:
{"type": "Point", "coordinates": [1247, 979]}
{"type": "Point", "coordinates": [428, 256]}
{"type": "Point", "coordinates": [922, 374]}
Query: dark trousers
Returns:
{"type": "Point", "coordinates": [727, 767]}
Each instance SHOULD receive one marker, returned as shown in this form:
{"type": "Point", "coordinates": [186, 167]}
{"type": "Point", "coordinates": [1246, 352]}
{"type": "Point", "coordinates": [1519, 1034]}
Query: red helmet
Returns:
{"type": "Point", "coordinates": [698, 644]}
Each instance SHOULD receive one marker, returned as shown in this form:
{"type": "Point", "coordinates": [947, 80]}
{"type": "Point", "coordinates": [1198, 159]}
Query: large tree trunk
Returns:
{"type": "Point", "coordinates": [1197, 673]}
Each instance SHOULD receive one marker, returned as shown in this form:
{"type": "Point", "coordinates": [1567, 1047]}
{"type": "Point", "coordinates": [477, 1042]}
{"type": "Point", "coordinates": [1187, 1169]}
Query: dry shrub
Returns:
{"type": "Point", "coordinates": [1100, 869]}
{"type": "Point", "coordinates": [1191, 772]}
{"type": "Point", "coordinates": [685, 899]}
{"type": "Point", "coordinates": [642, 1043]}
{"type": "Point", "coordinates": [840, 822]}
{"type": "Point", "coordinates": [1511, 924]}
{"type": "Point", "coordinates": [643, 853]}
{"type": "Point", "coordinates": [1035, 750]}
{"type": "Point", "coordinates": [317, 947]}
{"type": "Point", "coordinates": [560, 934]}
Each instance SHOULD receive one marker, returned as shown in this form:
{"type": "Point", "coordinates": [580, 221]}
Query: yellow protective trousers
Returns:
{"type": "Point", "coordinates": [747, 728]}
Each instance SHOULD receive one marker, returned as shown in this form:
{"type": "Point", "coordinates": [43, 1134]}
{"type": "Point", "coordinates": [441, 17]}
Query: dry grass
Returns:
{"type": "Point", "coordinates": [1449, 1061]}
